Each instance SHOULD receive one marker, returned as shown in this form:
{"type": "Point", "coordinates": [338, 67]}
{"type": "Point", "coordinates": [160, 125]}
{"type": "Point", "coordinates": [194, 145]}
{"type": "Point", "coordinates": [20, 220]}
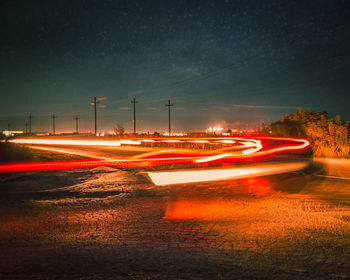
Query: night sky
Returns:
{"type": "Point", "coordinates": [234, 63]}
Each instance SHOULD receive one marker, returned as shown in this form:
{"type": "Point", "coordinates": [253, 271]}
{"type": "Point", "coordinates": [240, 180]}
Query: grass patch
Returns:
{"type": "Point", "coordinates": [17, 153]}
{"type": "Point", "coordinates": [14, 153]}
{"type": "Point", "coordinates": [10, 153]}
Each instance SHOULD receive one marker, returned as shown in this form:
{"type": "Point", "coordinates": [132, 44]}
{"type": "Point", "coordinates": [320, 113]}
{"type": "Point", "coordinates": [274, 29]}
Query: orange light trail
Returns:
{"type": "Point", "coordinates": [234, 148]}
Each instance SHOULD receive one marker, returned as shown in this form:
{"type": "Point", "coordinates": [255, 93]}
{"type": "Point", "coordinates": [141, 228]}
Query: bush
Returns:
{"type": "Point", "coordinates": [329, 137]}
{"type": "Point", "coordinates": [11, 152]}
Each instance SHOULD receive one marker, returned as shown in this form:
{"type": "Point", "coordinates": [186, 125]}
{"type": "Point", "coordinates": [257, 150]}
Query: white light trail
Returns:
{"type": "Point", "coordinates": [211, 158]}
{"type": "Point", "coordinates": [182, 177]}
{"type": "Point", "coordinates": [75, 142]}
{"type": "Point", "coordinates": [226, 141]}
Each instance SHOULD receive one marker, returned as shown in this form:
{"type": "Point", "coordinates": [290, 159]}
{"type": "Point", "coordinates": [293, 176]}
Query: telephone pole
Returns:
{"type": "Point", "coordinates": [169, 105]}
{"type": "Point", "coordinates": [26, 127]}
{"type": "Point", "coordinates": [95, 111]}
{"type": "Point", "coordinates": [95, 102]}
{"type": "Point", "coordinates": [30, 123]}
{"type": "Point", "coordinates": [77, 124]}
{"type": "Point", "coordinates": [134, 102]}
{"type": "Point", "coordinates": [53, 124]}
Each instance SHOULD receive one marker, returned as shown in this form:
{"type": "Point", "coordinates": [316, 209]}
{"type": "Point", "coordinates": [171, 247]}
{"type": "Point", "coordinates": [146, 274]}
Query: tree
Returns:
{"type": "Point", "coordinates": [288, 127]}
{"type": "Point", "coordinates": [119, 130]}
{"type": "Point", "coordinates": [337, 119]}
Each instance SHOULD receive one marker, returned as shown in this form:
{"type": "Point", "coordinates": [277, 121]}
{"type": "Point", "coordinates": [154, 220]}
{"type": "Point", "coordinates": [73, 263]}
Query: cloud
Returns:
{"type": "Point", "coordinates": [223, 108]}
{"type": "Point", "coordinates": [261, 106]}
{"type": "Point", "coordinates": [204, 109]}
{"type": "Point", "coordinates": [179, 108]}
{"type": "Point", "coordinates": [124, 108]}
{"type": "Point", "coordinates": [98, 101]}
{"type": "Point", "coordinates": [101, 106]}
{"type": "Point", "coordinates": [137, 92]}
{"type": "Point", "coordinates": [151, 108]}
{"type": "Point", "coordinates": [192, 71]}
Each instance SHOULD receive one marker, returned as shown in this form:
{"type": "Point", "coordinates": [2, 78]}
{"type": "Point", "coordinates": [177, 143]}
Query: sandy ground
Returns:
{"type": "Point", "coordinates": [105, 223]}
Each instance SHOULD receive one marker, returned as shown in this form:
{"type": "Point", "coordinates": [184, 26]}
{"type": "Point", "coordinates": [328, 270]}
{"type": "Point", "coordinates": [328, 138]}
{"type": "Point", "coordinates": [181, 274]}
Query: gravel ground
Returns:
{"type": "Point", "coordinates": [105, 223]}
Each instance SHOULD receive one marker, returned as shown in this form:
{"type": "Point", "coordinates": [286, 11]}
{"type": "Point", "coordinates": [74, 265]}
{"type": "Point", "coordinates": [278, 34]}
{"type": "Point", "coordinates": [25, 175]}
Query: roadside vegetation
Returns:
{"type": "Point", "coordinates": [12, 153]}
{"type": "Point", "coordinates": [16, 153]}
{"type": "Point", "coordinates": [330, 137]}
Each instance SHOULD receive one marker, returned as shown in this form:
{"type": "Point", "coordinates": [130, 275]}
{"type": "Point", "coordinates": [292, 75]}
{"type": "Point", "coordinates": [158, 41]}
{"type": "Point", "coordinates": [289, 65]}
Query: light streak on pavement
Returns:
{"type": "Point", "coordinates": [193, 176]}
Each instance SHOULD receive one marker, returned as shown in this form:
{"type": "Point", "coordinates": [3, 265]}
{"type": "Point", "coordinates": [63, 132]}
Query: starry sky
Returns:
{"type": "Point", "coordinates": [232, 63]}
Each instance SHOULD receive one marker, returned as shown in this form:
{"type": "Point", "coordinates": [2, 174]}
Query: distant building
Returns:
{"type": "Point", "coordinates": [8, 133]}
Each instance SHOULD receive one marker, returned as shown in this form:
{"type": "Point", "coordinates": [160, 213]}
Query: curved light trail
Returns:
{"type": "Point", "coordinates": [231, 149]}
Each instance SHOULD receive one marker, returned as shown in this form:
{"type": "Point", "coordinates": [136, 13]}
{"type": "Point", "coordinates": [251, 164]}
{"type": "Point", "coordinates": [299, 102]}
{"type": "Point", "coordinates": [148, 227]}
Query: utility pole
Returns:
{"type": "Point", "coordinates": [95, 105]}
{"type": "Point", "coordinates": [169, 105]}
{"type": "Point", "coordinates": [53, 124]}
{"type": "Point", "coordinates": [77, 124]}
{"type": "Point", "coordinates": [134, 102]}
{"type": "Point", "coordinates": [94, 102]}
{"type": "Point", "coordinates": [26, 127]}
{"type": "Point", "coordinates": [30, 123]}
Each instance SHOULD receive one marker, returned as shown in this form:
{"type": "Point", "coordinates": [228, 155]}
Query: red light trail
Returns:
{"type": "Point", "coordinates": [231, 149]}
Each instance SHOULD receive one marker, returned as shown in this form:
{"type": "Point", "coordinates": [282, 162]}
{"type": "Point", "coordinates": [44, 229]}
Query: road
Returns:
{"type": "Point", "coordinates": [104, 223]}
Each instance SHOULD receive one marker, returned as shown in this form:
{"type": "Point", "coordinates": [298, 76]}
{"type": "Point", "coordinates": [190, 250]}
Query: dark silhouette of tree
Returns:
{"type": "Point", "coordinates": [119, 130]}
{"type": "Point", "coordinates": [288, 127]}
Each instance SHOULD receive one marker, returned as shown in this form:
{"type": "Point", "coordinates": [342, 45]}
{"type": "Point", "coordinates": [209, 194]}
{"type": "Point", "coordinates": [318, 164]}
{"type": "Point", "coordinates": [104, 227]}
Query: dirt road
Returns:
{"type": "Point", "coordinates": [105, 223]}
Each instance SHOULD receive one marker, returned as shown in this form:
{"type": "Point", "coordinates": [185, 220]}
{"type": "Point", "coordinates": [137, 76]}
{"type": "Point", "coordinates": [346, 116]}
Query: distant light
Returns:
{"type": "Point", "coordinates": [173, 134]}
{"type": "Point", "coordinates": [12, 132]}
